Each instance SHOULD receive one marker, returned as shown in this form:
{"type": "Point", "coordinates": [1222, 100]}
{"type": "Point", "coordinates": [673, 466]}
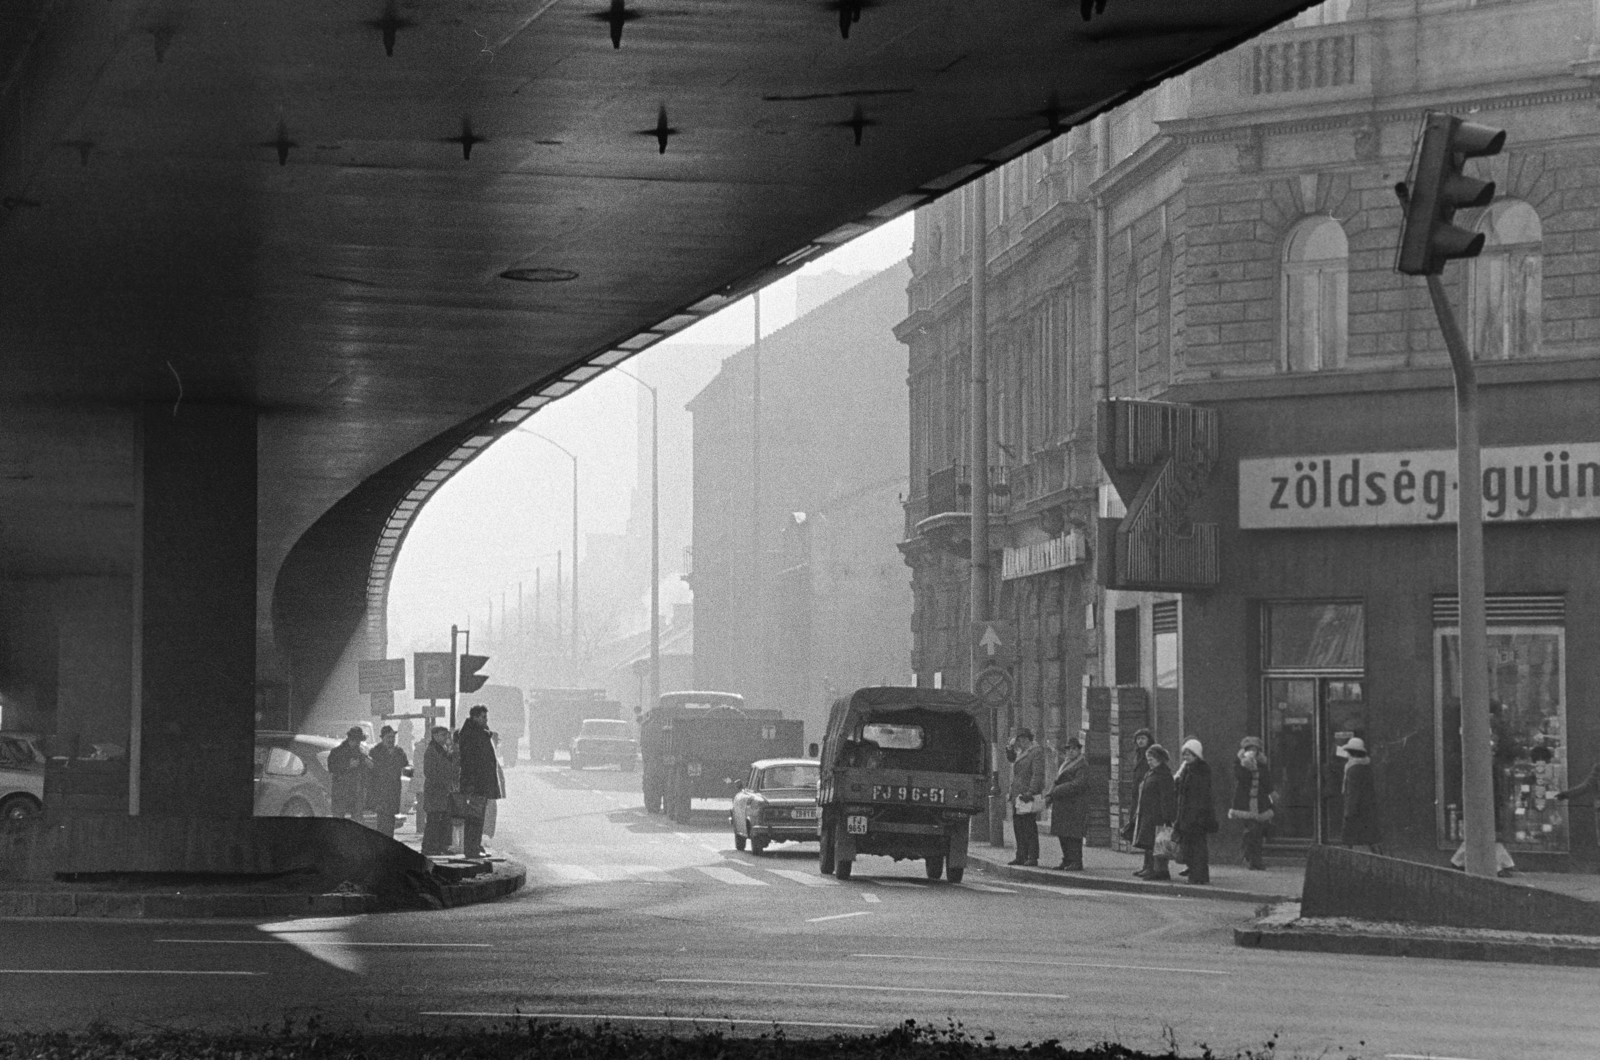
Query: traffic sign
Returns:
{"type": "Point", "coordinates": [383, 702]}
{"type": "Point", "coordinates": [435, 675]}
{"type": "Point", "coordinates": [991, 642]}
{"type": "Point", "coordinates": [993, 686]}
{"type": "Point", "coordinates": [381, 675]}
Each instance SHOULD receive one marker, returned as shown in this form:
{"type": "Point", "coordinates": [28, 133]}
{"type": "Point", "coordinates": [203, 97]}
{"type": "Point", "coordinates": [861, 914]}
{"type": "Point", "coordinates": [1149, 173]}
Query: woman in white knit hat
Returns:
{"type": "Point", "coordinates": [1196, 818]}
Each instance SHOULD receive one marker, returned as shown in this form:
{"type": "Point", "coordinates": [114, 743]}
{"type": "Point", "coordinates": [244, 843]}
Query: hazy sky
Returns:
{"type": "Point", "coordinates": [509, 511]}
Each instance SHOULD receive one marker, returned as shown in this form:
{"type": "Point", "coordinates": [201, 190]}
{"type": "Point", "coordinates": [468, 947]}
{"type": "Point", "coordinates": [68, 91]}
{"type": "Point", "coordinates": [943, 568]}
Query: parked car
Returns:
{"type": "Point", "coordinates": [292, 775]}
{"type": "Point", "coordinates": [602, 741]}
{"type": "Point", "coordinates": [777, 803]}
{"type": "Point", "coordinates": [21, 776]}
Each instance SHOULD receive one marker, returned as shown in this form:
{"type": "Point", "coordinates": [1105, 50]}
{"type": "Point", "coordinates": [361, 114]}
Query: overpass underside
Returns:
{"type": "Point", "coordinates": [265, 264]}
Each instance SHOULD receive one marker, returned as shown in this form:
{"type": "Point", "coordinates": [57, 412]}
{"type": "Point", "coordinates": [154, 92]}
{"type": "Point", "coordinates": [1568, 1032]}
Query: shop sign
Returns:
{"type": "Point", "coordinates": [1418, 488]}
{"type": "Point", "coordinates": [1054, 554]}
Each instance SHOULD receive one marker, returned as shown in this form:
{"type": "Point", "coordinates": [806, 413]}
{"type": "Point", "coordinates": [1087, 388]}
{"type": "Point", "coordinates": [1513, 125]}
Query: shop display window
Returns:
{"type": "Point", "coordinates": [1528, 722]}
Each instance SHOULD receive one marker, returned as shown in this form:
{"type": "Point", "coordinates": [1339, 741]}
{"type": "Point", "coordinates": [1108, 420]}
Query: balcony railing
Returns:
{"type": "Point", "coordinates": [1325, 60]}
{"type": "Point", "coordinates": [1050, 471]}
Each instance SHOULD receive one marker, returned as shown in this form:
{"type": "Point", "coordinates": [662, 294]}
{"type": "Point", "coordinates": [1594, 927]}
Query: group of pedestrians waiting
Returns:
{"type": "Point", "coordinates": [459, 776]}
{"type": "Point", "coordinates": [1172, 816]}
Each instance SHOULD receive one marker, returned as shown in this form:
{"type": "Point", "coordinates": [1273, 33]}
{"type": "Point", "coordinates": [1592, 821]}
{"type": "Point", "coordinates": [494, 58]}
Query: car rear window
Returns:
{"type": "Point", "coordinates": [283, 763]}
{"type": "Point", "coordinates": [798, 776]}
{"type": "Point", "coordinates": [894, 737]}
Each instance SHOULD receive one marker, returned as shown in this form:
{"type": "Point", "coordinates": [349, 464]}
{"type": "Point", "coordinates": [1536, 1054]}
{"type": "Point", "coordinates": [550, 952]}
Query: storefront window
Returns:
{"type": "Point", "coordinates": [1528, 721]}
{"type": "Point", "coordinates": [1319, 636]}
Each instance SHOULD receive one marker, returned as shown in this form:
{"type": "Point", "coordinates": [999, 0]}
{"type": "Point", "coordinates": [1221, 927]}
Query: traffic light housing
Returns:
{"type": "Point", "coordinates": [471, 679]}
{"type": "Point", "coordinates": [1437, 188]}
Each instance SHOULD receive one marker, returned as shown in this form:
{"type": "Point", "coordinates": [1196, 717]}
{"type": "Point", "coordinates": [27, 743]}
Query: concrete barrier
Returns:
{"type": "Point", "coordinates": [1345, 883]}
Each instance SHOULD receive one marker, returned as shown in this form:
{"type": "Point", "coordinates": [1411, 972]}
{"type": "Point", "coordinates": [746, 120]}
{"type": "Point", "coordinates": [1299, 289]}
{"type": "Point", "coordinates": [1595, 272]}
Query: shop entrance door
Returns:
{"type": "Point", "coordinates": [1308, 719]}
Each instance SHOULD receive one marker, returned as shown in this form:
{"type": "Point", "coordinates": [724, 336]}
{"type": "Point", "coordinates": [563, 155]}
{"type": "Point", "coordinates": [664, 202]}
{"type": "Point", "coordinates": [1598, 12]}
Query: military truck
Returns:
{"type": "Point", "coordinates": [699, 745]}
{"type": "Point", "coordinates": [556, 714]}
{"type": "Point", "coordinates": [507, 717]}
{"type": "Point", "coordinates": [903, 772]}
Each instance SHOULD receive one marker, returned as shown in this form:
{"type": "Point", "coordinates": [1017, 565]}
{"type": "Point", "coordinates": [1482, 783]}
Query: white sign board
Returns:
{"type": "Point", "coordinates": [381, 675]}
{"type": "Point", "coordinates": [1417, 488]}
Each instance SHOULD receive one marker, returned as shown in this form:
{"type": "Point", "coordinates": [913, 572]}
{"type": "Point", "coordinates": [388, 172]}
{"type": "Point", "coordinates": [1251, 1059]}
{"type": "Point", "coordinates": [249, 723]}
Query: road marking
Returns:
{"type": "Point", "coordinates": [286, 942]}
{"type": "Point", "coordinates": [862, 986]}
{"type": "Point", "coordinates": [985, 888]}
{"type": "Point", "coordinates": [1040, 964]}
{"type": "Point", "coordinates": [871, 898]}
{"type": "Point", "coordinates": [571, 873]}
{"type": "Point", "coordinates": [895, 883]}
{"type": "Point", "coordinates": [617, 1017]}
{"type": "Point", "coordinates": [686, 837]}
{"type": "Point", "coordinates": [739, 879]}
{"type": "Point", "coordinates": [1422, 1056]}
{"type": "Point", "coordinates": [114, 971]}
{"type": "Point", "coordinates": [838, 916]}
{"type": "Point", "coordinates": [713, 849]}
{"type": "Point", "coordinates": [805, 879]}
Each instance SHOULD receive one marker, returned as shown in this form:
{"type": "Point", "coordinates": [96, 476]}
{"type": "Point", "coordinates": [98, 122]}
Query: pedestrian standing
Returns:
{"type": "Point", "coordinates": [348, 766]}
{"type": "Point", "coordinates": [388, 773]}
{"type": "Point", "coordinates": [1155, 810]}
{"type": "Point", "coordinates": [1069, 805]}
{"type": "Point", "coordinates": [1142, 740]}
{"type": "Point", "coordinates": [1195, 817]}
{"type": "Point", "coordinates": [1590, 787]}
{"type": "Point", "coordinates": [1251, 804]}
{"type": "Point", "coordinates": [1027, 789]}
{"type": "Point", "coordinates": [480, 776]}
{"type": "Point", "coordinates": [442, 773]}
{"type": "Point", "coordinates": [1361, 827]}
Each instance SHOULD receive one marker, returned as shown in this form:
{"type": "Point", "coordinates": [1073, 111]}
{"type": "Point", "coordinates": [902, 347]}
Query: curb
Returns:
{"type": "Point", "coordinates": [1416, 946]}
{"type": "Point", "coordinates": [1130, 886]}
{"type": "Point", "coordinates": [121, 905]}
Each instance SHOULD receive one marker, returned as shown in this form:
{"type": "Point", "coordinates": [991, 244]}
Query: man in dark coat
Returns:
{"type": "Point", "coordinates": [1027, 785]}
{"type": "Point", "coordinates": [1195, 817]}
{"type": "Point", "coordinates": [1590, 786]}
{"type": "Point", "coordinates": [442, 779]}
{"type": "Point", "coordinates": [348, 766]}
{"type": "Point", "coordinates": [388, 774]}
{"type": "Point", "coordinates": [480, 779]}
{"type": "Point", "coordinates": [1361, 825]}
{"type": "Point", "coordinates": [1069, 805]}
{"type": "Point", "coordinates": [1157, 805]}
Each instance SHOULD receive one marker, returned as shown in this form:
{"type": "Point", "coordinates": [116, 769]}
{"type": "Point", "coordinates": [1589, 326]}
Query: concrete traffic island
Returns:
{"type": "Point", "coordinates": [168, 867]}
{"type": "Point", "coordinates": [1362, 903]}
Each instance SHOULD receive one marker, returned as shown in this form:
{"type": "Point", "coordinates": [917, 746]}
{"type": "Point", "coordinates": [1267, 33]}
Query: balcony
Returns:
{"type": "Point", "coordinates": [1050, 471]}
{"type": "Point", "coordinates": [1287, 67]}
{"type": "Point", "coordinates": [944, 513]}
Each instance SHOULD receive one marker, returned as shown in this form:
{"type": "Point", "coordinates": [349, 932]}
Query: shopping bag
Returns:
{"type": "Point", "coordinates": [1165, 845]}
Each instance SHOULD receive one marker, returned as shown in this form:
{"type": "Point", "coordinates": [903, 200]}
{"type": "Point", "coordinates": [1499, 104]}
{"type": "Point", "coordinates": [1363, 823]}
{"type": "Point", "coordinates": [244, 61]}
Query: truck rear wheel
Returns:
{"type": "Point", "coordinates": [825, 849]}
{"type": "Point", "coordinates": [957, 873]}
{"type": "Point", "coordinates": [758, 846]}
{"type": "Point", "coordinates": [935, 866]}
{"type": "Point", "coordinates": [842, 869]}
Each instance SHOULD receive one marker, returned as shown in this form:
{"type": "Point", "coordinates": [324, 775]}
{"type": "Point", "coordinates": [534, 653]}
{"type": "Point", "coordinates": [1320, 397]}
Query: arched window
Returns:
{"type": "Point", "coordinates": [1503, 296]}
{"type": "Point", "coordinates": [1315, 295]}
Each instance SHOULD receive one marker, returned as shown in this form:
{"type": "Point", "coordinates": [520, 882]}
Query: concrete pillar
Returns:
{"type": "Point", "coordinates": [195, 612]}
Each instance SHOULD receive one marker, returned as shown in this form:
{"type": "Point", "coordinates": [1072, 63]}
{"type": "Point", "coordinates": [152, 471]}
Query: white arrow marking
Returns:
{"type": "Point", "coordinates": [990, 640]}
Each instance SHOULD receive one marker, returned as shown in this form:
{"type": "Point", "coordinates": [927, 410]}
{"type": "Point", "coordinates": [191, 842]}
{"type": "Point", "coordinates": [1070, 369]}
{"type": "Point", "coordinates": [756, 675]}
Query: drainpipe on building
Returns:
{"type": "Point", "coordinates": [978, 460]}
{"type": "Point", "coordinates": [1102, 345]}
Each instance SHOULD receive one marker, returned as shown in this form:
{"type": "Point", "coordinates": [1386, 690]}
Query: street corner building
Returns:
{"type": "Point", "coordinates": [1222, 425]}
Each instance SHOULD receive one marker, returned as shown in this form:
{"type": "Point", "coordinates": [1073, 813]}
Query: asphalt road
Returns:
{"type": "Point", "coordinates": [631, 918]}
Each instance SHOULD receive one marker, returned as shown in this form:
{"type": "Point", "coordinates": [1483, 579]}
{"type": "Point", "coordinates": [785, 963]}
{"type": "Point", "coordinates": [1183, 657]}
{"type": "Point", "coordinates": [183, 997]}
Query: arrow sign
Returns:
{"type": "Point", "coordinates": [991, 642]}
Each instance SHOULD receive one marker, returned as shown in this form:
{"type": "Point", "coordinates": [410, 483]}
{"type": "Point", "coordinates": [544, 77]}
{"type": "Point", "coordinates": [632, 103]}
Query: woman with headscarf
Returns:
{"type": "Point", "coordinates": [1195, 818]}
{"type": "Point", "coordinates": [1156, 806]}
{"type": "Point", "coordinates": [1069, 805]}
{"type": "Point", "coordinates": [1251, 804]}
{"type": "Point", "coordinates": [1361, 825]}
{"type": "Point", "coordinates": [1139, 767]}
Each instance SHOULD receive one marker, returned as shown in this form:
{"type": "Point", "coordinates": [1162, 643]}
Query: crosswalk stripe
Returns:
{"type": "Point", "coordinates": [571, 873]}
{"type": "Point", "coordinates": [985, 888]}
{"type": "Point", "coordinates": [717, 872]}
{"type": "Point", "coordinates": [896, 883]}
{"type": "Point", "coordinates": [805, 879]}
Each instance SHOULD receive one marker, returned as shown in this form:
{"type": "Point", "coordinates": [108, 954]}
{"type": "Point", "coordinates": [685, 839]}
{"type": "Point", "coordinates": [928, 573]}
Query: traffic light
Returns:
{"type": "Point", "coordinates": [471, 679]}
{"type": "Point", "coordinates": [1437, 189]}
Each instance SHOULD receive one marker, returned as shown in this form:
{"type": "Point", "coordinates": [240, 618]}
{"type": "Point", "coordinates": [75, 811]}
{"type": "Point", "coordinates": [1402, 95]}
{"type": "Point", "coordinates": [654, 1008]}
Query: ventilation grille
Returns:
{"type": "Point", "coordinates": [1506, 609]}
{"type": "Point", "coordinates": [1164, 616]}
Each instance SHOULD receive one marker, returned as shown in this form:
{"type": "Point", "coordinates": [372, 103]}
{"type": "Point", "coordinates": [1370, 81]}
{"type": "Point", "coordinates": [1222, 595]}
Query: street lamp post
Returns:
{"type": "Point", "coordinates": [574, 459]}
{"type": "Point", "coordinates": [655, 539]}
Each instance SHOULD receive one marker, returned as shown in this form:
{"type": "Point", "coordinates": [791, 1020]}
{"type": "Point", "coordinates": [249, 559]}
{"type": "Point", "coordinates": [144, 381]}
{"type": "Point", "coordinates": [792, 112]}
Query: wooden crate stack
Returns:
{"type": "Point", "coordinates": [1097, 749]}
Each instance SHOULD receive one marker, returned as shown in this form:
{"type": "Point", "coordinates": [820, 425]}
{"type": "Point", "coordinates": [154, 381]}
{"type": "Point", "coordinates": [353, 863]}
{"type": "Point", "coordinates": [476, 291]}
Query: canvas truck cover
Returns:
{"type": "Point", "coordinates": [963, 717]}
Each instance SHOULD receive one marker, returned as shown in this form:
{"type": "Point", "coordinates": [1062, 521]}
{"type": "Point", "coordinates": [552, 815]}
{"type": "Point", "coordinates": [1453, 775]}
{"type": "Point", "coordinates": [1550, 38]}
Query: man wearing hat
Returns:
{"type": "Point", "coordinates": [348, 765]}
{"type": "Point", "coordinates": [388, 771]}
{"type": "Point", "coordinates": [1361, 825]}
{"type": "Point", "coordinates": [1027, 787]}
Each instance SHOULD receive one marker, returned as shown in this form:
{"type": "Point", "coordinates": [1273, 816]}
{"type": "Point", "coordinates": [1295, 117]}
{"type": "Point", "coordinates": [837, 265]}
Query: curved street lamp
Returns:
{"type": "Point", "coordinates": [573, 457]}
{"type": "Point", "coordinates": [655, 540]}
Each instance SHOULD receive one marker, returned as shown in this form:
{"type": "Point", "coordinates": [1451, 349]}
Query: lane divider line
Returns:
{"type": "Point", "coordinates": [862, 986]}
{"type": "Point", "coordinates": [115, 971]}
{"type": "Point", "coordinates": [286, 942]}
{"type": "Point", "coordinates": [838, 916]}
{"type": "Point", "coordinates": [1040, 964]}
{"type": "Point", "coordinates": [611, 1017]}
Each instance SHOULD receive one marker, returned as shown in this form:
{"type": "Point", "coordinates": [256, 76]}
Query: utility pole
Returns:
{"type": "Point", "coordinates": [655, 538]}
{"type": "Point", "coordinates": [978, 473]}
{"type": "Point", "coordinates": [758, 601]}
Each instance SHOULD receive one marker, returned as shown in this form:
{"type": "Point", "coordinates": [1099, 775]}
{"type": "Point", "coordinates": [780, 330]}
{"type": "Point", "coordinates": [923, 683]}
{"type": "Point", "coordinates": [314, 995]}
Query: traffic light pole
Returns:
{"type": "Point", "coordinates": [453, 681]}
{"type": "Point", "coordinates": [1477, 782]}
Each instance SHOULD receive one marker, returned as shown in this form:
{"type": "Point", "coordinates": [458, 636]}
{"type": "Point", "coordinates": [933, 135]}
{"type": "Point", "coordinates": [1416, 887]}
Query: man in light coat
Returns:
{"type": "Point", "coordinates": [1027, 785]}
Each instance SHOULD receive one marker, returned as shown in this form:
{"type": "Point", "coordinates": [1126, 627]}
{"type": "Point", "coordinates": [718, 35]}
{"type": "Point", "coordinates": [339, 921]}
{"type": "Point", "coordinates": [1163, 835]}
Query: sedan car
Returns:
{"type": "Point", "coordinates": [21, 776]}
{"type": "Point", "coordinates": [601, 741]}
{"type": "Point", "coordinates": [292, 777]}
{"type": "Point", "coordinates": [777, 803]}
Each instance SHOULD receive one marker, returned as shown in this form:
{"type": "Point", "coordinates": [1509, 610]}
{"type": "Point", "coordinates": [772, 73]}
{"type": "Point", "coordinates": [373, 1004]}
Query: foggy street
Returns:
{"type": "Point", "coordinates": [631, 918]}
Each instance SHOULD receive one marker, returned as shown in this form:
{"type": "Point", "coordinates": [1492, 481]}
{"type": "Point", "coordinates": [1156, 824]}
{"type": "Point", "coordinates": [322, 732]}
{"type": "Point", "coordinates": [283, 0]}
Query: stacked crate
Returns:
{"type": "Point", "coordinates": [1130, 712]}
{"type": "Point", "coordinates": [1097, 750]}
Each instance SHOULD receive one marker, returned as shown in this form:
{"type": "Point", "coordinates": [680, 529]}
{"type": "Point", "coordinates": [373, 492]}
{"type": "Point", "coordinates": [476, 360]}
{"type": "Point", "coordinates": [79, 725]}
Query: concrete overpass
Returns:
{"type": "Point", "coordinates": [270, 270]}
